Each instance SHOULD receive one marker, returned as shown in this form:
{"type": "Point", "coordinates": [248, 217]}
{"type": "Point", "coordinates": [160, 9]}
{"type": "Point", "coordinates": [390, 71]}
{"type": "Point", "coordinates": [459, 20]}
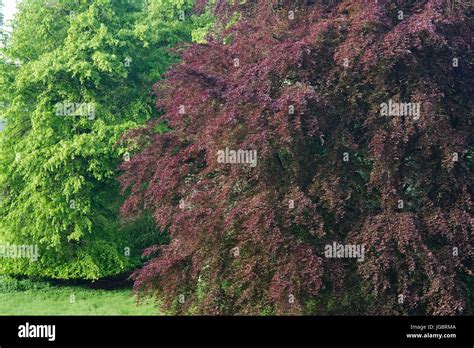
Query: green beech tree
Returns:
{"type": "Point", "coordinates": [74, 76]}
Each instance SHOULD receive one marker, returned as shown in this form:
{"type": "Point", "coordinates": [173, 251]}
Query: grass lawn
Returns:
{"type": "Point", "coordinates": [72, 300]}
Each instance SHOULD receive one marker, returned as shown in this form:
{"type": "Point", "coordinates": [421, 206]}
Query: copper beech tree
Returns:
{"type": "Point", "coordinates": [360, 116]}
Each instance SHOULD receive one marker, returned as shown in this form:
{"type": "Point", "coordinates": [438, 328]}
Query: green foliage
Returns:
{"type": "Point", "coordinates": [58, 160]}
{"type": "Point", "coordinates": [10, 284]}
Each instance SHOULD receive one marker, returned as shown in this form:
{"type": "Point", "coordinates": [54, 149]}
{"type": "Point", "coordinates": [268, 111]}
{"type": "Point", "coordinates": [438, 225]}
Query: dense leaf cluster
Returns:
{"type": "Point", "coordinates": [98, 60]}
{"type": "Point", "coordinates": [302, 83]}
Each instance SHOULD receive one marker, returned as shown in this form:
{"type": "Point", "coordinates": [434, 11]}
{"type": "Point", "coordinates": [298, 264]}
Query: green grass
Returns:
{"type": "Point", "coordinates": [71, 300]}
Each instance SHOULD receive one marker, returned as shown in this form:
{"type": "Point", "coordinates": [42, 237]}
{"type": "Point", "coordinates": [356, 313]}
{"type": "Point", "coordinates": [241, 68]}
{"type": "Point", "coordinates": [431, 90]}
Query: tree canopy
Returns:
{"type": "Point", "coordinates": [307, 85]}
{"type": "Point", "coordinates": [74, 76]}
